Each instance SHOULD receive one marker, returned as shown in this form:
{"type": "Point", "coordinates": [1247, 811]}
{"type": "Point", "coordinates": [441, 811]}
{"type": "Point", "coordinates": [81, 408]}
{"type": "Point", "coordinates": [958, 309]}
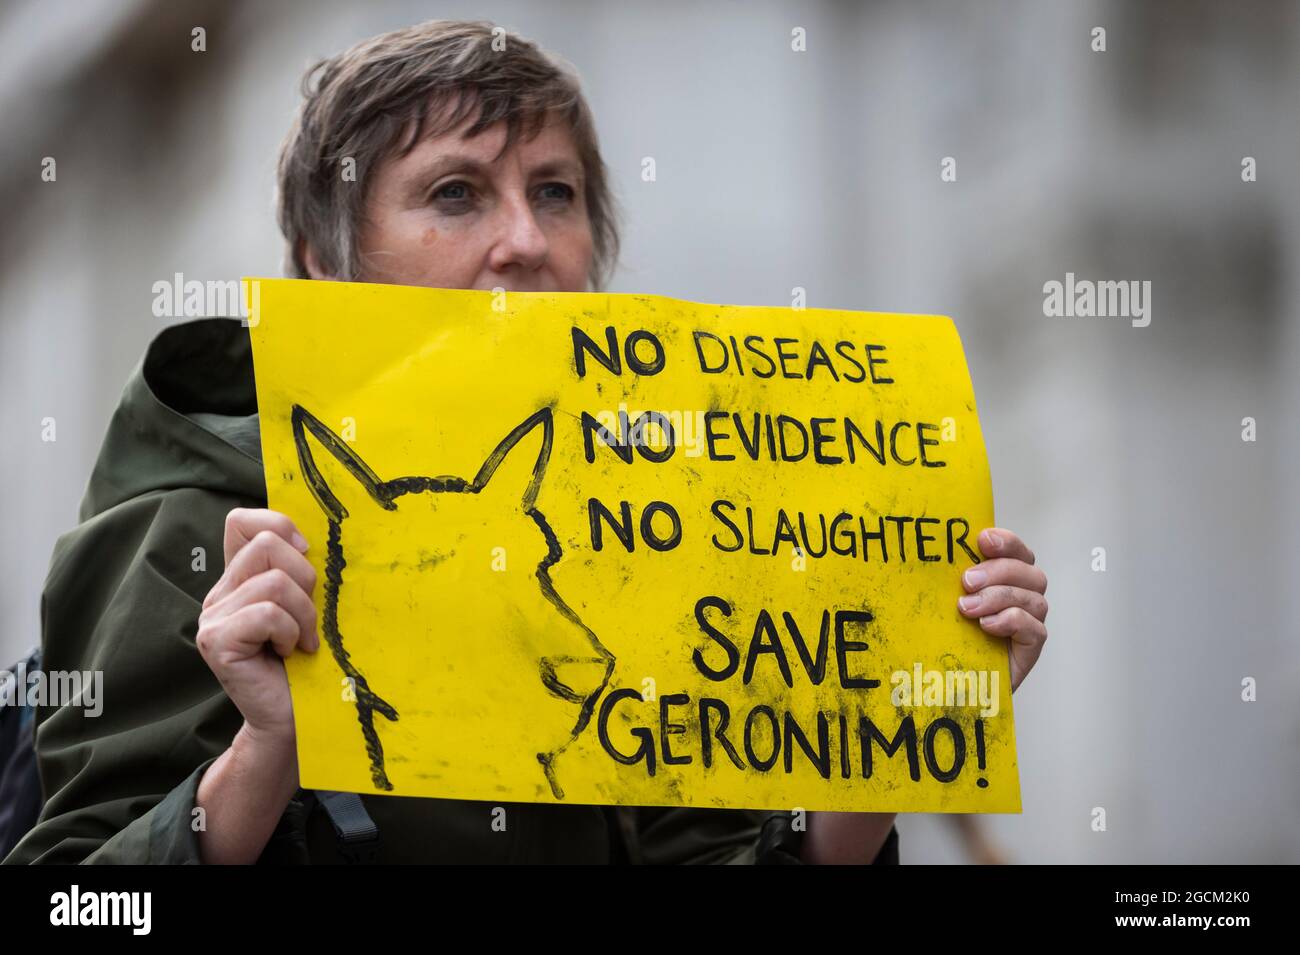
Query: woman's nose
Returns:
{"type": "Point", "coordinates": [521, 243]}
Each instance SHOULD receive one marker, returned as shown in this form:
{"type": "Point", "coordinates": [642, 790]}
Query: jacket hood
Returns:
{"type": "Point", "coordinates": [185, 419]}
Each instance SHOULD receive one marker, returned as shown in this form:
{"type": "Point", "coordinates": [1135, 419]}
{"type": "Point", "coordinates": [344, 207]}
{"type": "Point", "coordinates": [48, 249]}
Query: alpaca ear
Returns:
{"type": "Point", "coordinates": [338, 478]}
{"type": "Point", "coordinates": [518, 464]}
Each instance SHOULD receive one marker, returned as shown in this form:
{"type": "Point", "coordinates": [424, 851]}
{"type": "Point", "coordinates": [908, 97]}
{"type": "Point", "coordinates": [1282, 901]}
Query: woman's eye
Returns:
{"type": "Point", "coordinates": [557, 191]}
{"type": "Point", "coordinates": [452, 192]}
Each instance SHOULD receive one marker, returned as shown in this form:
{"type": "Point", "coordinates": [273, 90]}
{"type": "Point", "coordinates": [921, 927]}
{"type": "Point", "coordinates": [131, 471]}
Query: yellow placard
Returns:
{"type": "Point", "coordinates": [625, 549]}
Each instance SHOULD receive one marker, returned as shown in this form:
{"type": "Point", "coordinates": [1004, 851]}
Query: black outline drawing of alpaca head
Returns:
{"type": "Point", "coordinates": [385, 494]}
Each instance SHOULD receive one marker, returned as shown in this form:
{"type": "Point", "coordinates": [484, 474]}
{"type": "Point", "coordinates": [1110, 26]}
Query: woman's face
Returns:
{"type": "Point", "coordinates": [447, 215]}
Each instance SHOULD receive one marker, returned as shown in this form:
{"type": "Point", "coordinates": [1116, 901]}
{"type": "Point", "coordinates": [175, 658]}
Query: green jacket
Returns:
{"type": "Point", "coordinates": [123, 596]}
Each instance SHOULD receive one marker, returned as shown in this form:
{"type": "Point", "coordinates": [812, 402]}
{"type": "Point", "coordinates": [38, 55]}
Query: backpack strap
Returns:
{"type": "Point", "coordinates": [21, 797]}
{"type": "Point", "coordinates": [357, 833]}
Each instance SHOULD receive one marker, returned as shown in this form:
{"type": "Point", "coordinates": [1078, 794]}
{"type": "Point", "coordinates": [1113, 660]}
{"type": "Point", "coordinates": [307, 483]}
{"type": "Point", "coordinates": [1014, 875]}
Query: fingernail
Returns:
{"type": "Point", "coordinates": [984, 621]}
{"type": "Point", "coordinates": [299, 542]}
{"type": "Point", "coordinates": [994, 540]}
{"type": "Point", "coordinates": [968, 603]}
{"type": "Point", "coordinates": [975, 578]}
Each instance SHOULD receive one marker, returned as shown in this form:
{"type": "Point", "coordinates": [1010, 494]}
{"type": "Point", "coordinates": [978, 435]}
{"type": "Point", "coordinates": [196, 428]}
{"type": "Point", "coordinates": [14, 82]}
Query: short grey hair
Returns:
{"type": "Point", "coordinates": [378, 98]}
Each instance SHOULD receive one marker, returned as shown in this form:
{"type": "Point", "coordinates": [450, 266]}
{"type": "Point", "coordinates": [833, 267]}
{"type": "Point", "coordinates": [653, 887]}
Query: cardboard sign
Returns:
{"type": "Point", "coordinates": [623, 549]}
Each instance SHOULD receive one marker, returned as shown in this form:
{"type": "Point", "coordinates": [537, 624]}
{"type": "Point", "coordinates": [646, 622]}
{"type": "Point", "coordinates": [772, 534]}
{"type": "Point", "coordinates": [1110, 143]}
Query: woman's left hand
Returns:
{"type": "Point", "coordinates": [1005, 592]}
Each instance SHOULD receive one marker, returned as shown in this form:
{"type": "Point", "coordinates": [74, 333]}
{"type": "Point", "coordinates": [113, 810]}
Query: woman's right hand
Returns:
{"type": "Point", "coordinates": [258, 613]}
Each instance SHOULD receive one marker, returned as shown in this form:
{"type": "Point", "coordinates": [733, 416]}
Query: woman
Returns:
{"type": "Point", "coordinates": [451, 155]}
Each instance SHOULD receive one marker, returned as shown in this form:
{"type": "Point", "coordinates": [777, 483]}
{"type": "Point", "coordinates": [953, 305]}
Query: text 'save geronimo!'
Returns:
{"type": "Point", "coordinates": [624, 549]}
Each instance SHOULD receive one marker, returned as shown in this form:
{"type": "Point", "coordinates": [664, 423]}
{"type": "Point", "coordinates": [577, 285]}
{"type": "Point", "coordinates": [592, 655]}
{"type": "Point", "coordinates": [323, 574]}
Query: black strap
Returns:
{"type": "Point", "coordinates": [358, 835]}
{"type": "Point", "coordinates": [20, 781]}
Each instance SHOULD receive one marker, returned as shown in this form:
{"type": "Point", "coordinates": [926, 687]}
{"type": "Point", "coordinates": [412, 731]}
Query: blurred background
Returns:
{"type": "Point", "coordinates": [819, 169]}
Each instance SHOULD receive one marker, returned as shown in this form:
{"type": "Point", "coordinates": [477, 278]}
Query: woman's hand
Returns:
{"type": "Point", "coordinates": [1005, 592]}
{"type": "Point", "coordinates": [258, 612]}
